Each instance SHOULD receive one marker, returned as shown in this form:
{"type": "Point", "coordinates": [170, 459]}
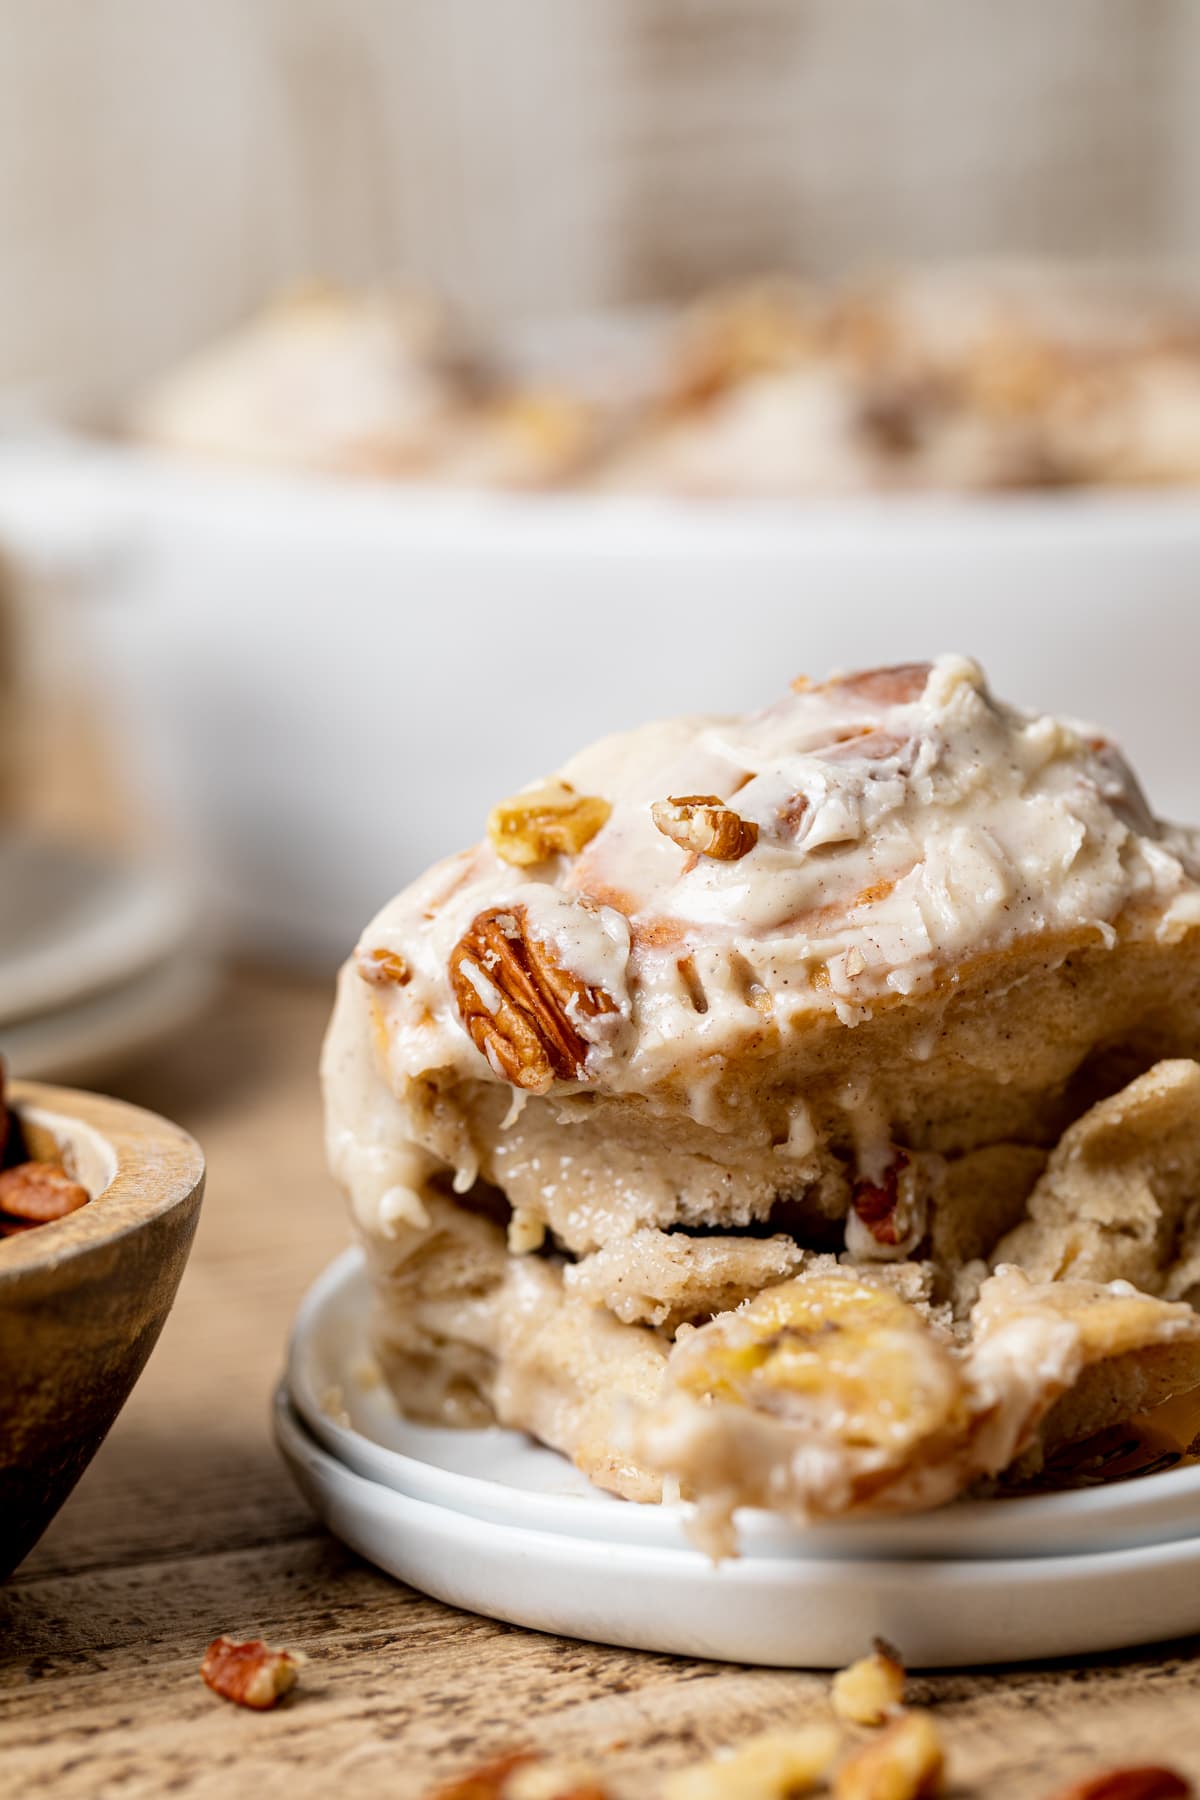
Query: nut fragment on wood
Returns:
{"type": "Point", "coordinates": [488, 1782]}
{"type": "Point", "coordinates": [382, 968]}
{"type": "Point", "coordinates": [555, 1779]}
{"type": "Point", "coordinates": [249, 1673]}
{"type": "Point", "coordinates": [905, 1762]}
{"type": "Point", "coordinates": [1134, 1783]}
{"type": "Point", "coordinates": [870, 1690]}
{"type": "Point", "coordinates": [37, 1193]}
{"type": "Point", "coordinates": [522, 1775]}
{"type": "Point", "coordinates": [775, 1765]}
{"type": "Point", "coordinates": [703, 824]}
{"type": "Point", "coordinates": [517, 1005]}
{"type": "Point", "coordinates": [545, 821]}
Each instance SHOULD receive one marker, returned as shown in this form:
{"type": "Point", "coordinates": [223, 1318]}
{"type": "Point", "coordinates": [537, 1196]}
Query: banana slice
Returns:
{"type": "Point", "coordinates": [810, 1399]}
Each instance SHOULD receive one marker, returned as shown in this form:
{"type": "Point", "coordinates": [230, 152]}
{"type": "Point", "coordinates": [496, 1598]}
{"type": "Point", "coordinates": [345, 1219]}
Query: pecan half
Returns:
{"type": "Point", "coordinates": [382, 968]}
{"type": "Point", "coordinates": [704, 824]}
{"type": "Point", "coordinates": [545, 821]}
{"type": "Point", "coordinates": [35, 1193]}
{"type": "Point", "coordinates": [1140, 1783]}
{"type": "Point", "coordinates": [519, 1007]}
{"type": "Point", "coordinates": [249, 1673]}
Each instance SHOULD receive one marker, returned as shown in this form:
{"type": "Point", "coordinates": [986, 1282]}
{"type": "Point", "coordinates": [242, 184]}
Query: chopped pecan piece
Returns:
{"type": "Point", "coordinates": [545, 821]}
{"type": "Point", "coordinates": [382, 968]}
{"type": "Point", "coordinates": [876, 1203]}
{"type": "Point", "coordinates": [703, 824]}
{"type": "Point", "coordinates": [489, 1781]}
{"type": "Point", "coordinates": [249, 1674]}
{"type": "Point", "coordinates": [775, 1765]}
{"type": "Point", "coordinates": [1142, 1783]}
{"type": "Point", "coordinates": [889, 1216]}
{"type": "Point", "coordinates": [868, 896]}
{"type": "Point", "coordinates": [904, 1763]}
{"type": "Point", "coordinates": [35, 1193]}
{"type": "Point", "coordinates": [518, 1006]}
{"type": "Point", "coordinates": [522, 1775]}
{"type": "Point", "coordinates": [870, 1690]}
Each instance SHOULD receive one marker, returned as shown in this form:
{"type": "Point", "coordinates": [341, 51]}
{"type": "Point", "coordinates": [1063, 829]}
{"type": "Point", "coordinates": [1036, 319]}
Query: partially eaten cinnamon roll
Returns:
{"type": "Point", "coordinates": [799, 1108]}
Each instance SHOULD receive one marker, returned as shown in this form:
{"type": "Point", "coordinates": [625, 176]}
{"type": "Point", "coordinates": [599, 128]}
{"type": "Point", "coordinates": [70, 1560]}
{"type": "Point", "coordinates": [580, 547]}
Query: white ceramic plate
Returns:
{"type": "Point", "coordinates": [75, 1042]}
{"type": "Point", "coordinates": [74, 921]}
{"type": "Point", "coordinates": [494, 1483]}
{"type": "Point", "coordinates": [782, 1611]}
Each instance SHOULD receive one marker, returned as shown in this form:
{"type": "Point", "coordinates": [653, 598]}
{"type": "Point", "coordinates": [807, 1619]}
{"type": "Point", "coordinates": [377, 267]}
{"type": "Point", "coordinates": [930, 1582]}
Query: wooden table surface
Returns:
{"type": "Point", "coordinates": [187, 1525]}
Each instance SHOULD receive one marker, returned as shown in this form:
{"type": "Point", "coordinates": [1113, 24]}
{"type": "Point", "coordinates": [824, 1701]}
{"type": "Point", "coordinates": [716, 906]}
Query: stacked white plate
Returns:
{"type": "Point", "coordinates": [99, 958]}
{"type": "Point", "coordinates": [489, 1521]}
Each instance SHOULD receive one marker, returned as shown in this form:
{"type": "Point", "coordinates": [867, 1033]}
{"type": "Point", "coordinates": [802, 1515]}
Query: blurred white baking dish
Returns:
{"type": "Point", "coordinates": [322, 685]}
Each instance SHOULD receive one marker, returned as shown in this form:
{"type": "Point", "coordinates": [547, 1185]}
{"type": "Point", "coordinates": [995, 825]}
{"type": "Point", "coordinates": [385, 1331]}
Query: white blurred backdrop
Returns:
{"type": "Point", "coordinates": [165, 164]}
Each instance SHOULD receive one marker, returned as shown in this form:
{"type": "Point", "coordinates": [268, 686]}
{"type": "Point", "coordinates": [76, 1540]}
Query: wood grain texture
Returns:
{"type": "Point", "coordinates": [186, 1526]}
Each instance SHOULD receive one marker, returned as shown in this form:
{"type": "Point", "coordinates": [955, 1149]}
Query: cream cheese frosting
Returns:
{"type": "Point", "coordinates": [907, 823]}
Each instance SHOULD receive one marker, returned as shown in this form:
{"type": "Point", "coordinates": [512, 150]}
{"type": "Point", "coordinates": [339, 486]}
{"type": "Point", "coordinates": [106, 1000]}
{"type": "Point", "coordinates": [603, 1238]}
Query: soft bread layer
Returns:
{"type": "Point", "coordinates": [597, 1357]}
{"type": "Point", "coordinates": [1120, 1197]}
{"type": "Point", "coordinates": [466, 1332]}
{"type": "Point", "coordinates": [987, 1075]}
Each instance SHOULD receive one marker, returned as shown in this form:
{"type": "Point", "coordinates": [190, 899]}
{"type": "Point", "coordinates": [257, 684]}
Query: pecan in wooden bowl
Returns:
{"type": "Point", "coordinates": [98, 1206]}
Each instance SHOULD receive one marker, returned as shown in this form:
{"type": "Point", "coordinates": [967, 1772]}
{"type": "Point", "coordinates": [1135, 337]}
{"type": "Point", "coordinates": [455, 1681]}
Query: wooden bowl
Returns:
{"type": "Point", "coordinates": [82, 1300]}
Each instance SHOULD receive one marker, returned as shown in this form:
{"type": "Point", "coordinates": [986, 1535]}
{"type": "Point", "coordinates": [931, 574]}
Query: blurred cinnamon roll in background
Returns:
{"type": "Point", "coordinates": [950, 379]}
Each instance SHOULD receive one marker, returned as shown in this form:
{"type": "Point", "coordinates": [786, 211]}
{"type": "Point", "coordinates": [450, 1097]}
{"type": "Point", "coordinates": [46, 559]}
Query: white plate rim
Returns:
{"type": "Point", "coordinates": [814, 1612]}
{"type": "Point", "coordinates": [1147, 1509]}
